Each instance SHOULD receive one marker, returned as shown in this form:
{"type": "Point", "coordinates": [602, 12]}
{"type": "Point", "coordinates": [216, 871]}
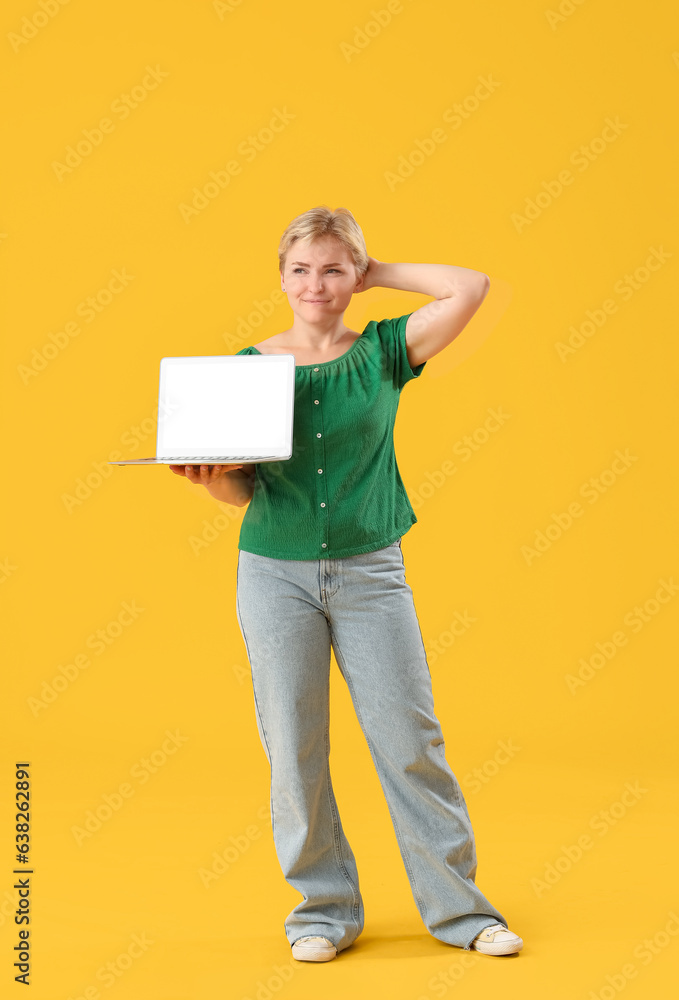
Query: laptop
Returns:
{"type": "Point", "coordinates": [221, 409]}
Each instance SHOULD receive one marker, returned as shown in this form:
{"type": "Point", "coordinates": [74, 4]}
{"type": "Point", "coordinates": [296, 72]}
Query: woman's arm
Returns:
{"type": "Point", "coordinates": [459, 291]}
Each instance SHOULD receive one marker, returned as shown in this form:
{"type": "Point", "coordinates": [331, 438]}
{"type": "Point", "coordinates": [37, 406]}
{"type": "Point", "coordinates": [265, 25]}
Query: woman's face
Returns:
{"type": "Point", "coordinates": [319, 278]}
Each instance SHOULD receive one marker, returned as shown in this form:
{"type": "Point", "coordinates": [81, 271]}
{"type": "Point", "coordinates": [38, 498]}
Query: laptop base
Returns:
{"type": "Point", "coordinates": [183, 460]}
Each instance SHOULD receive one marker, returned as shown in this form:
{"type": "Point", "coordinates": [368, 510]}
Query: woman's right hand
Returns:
{"type": "Point", "coordinates": [203, 475]}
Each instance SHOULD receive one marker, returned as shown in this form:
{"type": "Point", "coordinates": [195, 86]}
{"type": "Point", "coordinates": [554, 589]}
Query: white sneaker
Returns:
{"type": "Point", "coordinates": [313, 949]}
{"type": "Point", "coordinates": [497, 940]}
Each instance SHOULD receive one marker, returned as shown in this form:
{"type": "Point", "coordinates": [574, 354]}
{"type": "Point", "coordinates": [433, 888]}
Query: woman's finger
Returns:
{"type": "Point", "coordinates": [203, 474]}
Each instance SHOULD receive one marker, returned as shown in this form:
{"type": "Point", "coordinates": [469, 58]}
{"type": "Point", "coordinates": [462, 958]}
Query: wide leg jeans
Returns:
{"type": "Point", "coordinates": [291, 612]}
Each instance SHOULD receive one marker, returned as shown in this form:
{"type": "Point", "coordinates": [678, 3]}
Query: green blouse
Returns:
{"type": "Point", "coordinates": [341, 492]}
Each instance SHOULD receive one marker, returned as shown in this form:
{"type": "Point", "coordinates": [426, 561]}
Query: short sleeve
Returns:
{"type": "Point", "coordinates": [392, 335]}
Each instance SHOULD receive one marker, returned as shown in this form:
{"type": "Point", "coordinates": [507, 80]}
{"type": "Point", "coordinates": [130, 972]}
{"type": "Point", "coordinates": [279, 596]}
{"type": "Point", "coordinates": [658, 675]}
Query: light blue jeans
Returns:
{"type": "Point", "coordinates": [290, 612]}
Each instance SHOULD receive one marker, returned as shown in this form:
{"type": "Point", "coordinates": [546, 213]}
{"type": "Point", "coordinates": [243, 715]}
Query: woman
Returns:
{"type": "Point", "coordinates": [320, 566]}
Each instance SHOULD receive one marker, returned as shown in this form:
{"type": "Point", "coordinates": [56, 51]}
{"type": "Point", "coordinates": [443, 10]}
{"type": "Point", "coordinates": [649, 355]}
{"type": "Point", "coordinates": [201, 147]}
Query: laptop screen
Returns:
{"type": "Point", "coordinates": [226, 405]}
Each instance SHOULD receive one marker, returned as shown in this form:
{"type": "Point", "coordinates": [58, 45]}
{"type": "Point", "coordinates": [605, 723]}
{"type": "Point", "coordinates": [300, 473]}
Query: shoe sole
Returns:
{"type": "Point", "coordinates": [311, 954]}
{"type": "Point", "coordinates": [499, 949]}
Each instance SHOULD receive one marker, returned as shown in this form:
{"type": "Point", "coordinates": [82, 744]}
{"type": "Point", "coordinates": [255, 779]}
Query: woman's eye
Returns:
{"type": "Point", "coordinates": [329, 269]}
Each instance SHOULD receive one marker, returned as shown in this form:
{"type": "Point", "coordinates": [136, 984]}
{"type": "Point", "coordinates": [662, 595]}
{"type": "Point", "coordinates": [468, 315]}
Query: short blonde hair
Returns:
{"type": "Point", "coordinates": [322, 221]}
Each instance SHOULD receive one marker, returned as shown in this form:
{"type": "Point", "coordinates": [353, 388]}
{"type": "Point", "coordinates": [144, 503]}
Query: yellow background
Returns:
{"type": "Point", "coordinates": [180, 665]}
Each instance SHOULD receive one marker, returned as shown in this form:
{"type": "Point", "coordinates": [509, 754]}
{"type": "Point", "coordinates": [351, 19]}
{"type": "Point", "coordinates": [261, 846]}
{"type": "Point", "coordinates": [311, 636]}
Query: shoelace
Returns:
{"type": "Point", "coordinates": [493, 929]}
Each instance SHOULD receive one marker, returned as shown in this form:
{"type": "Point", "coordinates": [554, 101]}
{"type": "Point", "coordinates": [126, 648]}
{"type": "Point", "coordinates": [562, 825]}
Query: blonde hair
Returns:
{"type": "Point", "coordinates": [322, 221]}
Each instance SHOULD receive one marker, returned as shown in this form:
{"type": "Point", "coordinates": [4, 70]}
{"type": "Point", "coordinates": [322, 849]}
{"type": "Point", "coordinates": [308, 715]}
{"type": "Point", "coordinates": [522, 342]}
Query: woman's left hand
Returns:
{"type": "Point", "coordinates": [370, 279]}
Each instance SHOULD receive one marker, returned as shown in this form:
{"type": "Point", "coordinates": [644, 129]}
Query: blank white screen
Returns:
{"type": "Point", "coordinates": [223, 407]}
